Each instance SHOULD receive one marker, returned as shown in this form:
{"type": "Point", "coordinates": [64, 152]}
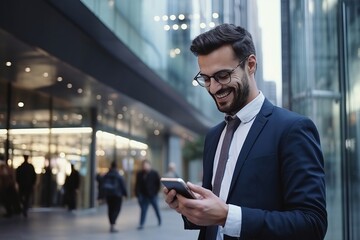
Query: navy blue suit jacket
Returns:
{"type": "Point", "coordinates": [278, 179]}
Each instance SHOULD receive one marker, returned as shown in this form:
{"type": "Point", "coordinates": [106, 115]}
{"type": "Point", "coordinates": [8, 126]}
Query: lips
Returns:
{"type": "Point", "coordinates": [223, 94]}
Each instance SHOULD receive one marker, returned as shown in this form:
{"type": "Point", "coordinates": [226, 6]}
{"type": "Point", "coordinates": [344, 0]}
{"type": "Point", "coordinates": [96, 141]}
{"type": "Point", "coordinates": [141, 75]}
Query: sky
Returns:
{"type": "Point", "coordinates": [270, 23]}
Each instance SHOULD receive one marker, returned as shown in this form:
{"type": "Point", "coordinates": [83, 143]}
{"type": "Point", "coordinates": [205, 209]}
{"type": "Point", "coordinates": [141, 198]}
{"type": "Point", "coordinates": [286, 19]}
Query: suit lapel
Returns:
{"type": "Point", "coordinates": [210, 150]}
{"type": "Point", "coordinates": [253, 134]}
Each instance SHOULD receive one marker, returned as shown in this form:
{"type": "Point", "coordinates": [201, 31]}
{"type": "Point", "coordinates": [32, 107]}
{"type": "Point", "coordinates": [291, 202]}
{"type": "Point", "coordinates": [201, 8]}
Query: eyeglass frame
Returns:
{"type": "Point", "coordinates": [229, 72]}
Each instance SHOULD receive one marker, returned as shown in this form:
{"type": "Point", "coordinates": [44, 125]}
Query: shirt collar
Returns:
{"type": "Point", "coordinates": [250, 110]}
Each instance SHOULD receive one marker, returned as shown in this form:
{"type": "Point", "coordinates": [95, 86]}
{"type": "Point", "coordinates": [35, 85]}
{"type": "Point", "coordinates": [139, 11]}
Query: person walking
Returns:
{"type": "Point", "coordinates": [8, 193]}
{"type": "Point", "coordinates": [263, 167]}
{"type": "Point", "coordinates": [71, 186]}
{"type": "Point", "coordinates": [171, 172]}
{"type": "Point", "coordinates": [113, 188]}
{"type": "Point", "coordinates": [26, 179]}
{"type": "Point", "coordinates": [147, 187]}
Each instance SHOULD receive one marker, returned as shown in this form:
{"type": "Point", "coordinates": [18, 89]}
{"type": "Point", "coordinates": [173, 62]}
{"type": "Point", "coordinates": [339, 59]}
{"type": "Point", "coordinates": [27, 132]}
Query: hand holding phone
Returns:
{"type": "Point", "coordinates": [179, 186]}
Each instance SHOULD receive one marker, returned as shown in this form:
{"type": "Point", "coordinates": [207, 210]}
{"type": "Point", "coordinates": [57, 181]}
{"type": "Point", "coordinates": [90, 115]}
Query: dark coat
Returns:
{"type": "Point", "coordinates": [120, 189]}
{"type": "Point", "coordinates": [72, 182]}
{"type": "Point", "coordinates": [26, 177]}
{"type": "Point", "coordinates": [147, 184]}
{"type": "Point", "coordinates": [278, 180]}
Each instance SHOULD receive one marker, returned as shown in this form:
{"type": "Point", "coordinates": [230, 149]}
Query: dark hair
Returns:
{"type": "Point", "coordinates": [225, 34]}
{"type": "Point", "coordinates": [113, 164]}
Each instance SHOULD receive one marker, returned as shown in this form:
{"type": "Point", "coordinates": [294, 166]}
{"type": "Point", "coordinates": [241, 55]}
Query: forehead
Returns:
{"type": "Point", "coordinates": [219, 59]}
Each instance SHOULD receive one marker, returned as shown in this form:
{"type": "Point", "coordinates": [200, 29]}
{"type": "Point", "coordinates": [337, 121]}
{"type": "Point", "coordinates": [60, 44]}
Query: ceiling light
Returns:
{"type": "Point", "coordinates": [181, 16]}
{"type": "Point", "coordinates": [27, 69]}
{"type": "Point", "coordinates": [45, 74]}
{"type": "Point", "coordinates": [211, 24]}
{"type": "Point", "coordinates": [165, 18]}
{"type": "Point", "coordinates": [69, 85]}
{"type": "Point", "coordinates": [21, 104]}
{"type": "Point", "coordinates": [166, 27]}
{"type": "Point", "coordinates": [98, 97]}
{"type": "Point", "coordinates": [175, 27]}
{"type": "Point", "coordinates": [59, 79]}
{"type": "Point", "coordinates": [8, 64]}
{"type": "Point", "coordinates": [156, 18]}
{"type": "Point", "coordinates": [215, 15]}
{"type": "Point", "coordinates": [172, 17]}
{"type": "Point", "coordinates": [184, 26]}
{"type": "Point", "coordinates": [202, 25]}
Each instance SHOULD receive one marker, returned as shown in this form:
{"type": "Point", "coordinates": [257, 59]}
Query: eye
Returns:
{"type": "Point", "coordinates": [223, 75]}
{"type": "Point", "coordinates": [205, 78]}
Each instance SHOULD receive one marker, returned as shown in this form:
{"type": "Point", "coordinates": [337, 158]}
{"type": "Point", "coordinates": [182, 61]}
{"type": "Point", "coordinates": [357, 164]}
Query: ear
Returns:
{"type": "Point", "coordinates": [251, 64]}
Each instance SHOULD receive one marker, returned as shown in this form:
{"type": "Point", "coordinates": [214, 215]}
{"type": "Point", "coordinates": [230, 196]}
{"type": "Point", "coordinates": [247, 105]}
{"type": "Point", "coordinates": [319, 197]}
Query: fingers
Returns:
{"type": "Point", "coordinates": [203, 192]}
{"type": "Point", "coordinates": [170, 198]}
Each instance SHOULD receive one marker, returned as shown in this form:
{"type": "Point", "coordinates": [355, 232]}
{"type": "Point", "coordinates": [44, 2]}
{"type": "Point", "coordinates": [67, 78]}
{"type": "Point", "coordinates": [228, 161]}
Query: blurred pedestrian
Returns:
{"type": "Point", "coordinates": [147, 187]}
{"type": "Point", "coordinates": [171, 172]}
{"type": "Point", "coordinates": [100, 194]}
{"type": "Point", "coordinates": [71, 186]}
{"type": "Point", "coordinates": [8, 193]}
{"type": "Point", "coordinates": [26, 179]}
{"type": "Point", "coordinates": [48, 187]}
{"type": "Point", "coordinates": [113, 189]}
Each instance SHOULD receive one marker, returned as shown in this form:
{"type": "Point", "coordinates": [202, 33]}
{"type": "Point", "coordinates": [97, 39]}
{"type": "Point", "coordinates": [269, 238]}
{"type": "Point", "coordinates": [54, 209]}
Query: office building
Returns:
{"type": "Point", "coordinates": [321, 77]}
{"type": "Point", "coordinates": [93, 81]}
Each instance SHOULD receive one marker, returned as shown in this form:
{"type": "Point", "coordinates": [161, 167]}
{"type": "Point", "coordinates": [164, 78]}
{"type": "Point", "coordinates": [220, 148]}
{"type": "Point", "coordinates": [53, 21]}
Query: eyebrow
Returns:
{"type": "Point", "coordinates": [223, 70]}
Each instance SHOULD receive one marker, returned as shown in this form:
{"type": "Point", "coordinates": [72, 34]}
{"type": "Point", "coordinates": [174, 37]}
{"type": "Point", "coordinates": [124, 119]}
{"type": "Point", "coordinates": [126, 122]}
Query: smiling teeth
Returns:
{"type": "Point", "coordinates": [223, 94]}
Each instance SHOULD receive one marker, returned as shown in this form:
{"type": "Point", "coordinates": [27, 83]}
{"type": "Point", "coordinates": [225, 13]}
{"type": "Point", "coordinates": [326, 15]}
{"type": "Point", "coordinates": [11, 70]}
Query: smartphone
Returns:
{"type": "Point", "coordinates": [179, 186]}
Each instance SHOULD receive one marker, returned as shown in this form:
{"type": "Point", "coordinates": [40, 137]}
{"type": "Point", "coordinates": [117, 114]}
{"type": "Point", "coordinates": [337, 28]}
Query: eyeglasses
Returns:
{"type": "Point", "coordinates": [222, 77]}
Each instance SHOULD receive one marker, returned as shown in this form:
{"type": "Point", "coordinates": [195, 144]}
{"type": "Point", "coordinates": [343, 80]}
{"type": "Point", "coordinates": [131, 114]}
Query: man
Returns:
{"type": "Point", "coordinates": [171, 173]}
{"type": "Point", "coordinates": [147, 187]}
{"type": "Point", "coordinates": [26, 179]}
{"type": "Point", "coordinates": [71, 186]}
{"type": "Point", "coordinates": [114, 189]}
{"type": "Point", "coordinates": [273, 182]}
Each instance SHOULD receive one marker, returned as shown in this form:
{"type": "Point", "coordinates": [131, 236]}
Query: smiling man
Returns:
{"type": "Point", "coordinates": [263, 173]}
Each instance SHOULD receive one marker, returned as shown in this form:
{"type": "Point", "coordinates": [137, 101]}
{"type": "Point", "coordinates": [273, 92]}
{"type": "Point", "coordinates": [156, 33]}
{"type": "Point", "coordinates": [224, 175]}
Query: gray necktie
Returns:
{"type": "Point", "coordinates": [232, 124]}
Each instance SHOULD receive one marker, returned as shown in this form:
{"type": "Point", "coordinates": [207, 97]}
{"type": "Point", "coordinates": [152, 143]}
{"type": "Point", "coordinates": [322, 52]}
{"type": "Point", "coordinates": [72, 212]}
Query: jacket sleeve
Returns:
{"type": "Point", "coordinates": [303, 214]}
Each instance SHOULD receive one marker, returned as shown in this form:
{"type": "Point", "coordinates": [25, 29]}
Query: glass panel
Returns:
{"type": "Point", "coordinates": [353, 99]}
{"type": "Point", "coordinates": [316, 93]}
{"type": "Point", "coordinates": [70, 144]}
{"type": "Point", "coordinates": [126, 152]}
{"type": "Point", "coordinates": [161, 38]}
{"type": "Point", "coordinates": [3, 118]}
{"type": "Point", "coordinates": [28, 133]}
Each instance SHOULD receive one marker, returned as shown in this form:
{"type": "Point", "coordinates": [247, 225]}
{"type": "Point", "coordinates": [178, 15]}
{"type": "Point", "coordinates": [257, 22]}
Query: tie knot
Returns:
{"type": "Point", "coordinates": [228, 118]}
{"type": "Point", "coordinates": [232, 122]}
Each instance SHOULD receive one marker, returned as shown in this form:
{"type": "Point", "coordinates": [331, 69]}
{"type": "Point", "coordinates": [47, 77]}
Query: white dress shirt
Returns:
{"type": "Point", "coordinates": [247, 115]}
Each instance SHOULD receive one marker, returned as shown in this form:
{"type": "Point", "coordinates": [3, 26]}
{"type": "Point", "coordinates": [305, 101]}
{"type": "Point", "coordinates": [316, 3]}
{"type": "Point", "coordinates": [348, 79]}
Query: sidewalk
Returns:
{"type": "Point", "coordinates": [59, 224]}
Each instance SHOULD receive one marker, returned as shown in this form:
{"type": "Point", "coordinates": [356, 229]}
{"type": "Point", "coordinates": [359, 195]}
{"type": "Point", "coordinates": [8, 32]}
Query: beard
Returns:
{"type": "Point", "coordinates": [241, 93]}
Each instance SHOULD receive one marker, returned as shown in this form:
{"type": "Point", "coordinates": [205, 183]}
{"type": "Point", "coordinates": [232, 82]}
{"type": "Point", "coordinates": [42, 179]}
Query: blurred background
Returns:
{"type": "Point", "coordinates": [92, 81]}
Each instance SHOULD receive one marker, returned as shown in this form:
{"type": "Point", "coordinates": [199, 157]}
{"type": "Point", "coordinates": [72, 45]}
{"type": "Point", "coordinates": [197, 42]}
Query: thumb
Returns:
{"type": "Point", "coordinates": [199, 190]}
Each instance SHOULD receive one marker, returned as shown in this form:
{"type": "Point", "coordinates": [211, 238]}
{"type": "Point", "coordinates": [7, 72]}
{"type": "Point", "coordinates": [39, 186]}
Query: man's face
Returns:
{"type": "Point", "coordinates": [231, 97]}
{"type": "Point", "coordinates": [146, 166]}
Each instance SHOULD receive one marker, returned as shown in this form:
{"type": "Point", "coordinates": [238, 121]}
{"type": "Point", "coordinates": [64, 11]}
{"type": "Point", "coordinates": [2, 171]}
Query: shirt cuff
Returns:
{"type": "Point", "coordinates": [233, 222]}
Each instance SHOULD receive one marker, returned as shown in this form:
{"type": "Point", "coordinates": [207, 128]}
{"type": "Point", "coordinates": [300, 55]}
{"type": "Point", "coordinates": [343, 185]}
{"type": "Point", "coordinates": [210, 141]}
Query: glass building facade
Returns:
{"type": "Point", "coordinates": [93, 81]}
{"type": "Point", "coordinates": [321, 77]}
